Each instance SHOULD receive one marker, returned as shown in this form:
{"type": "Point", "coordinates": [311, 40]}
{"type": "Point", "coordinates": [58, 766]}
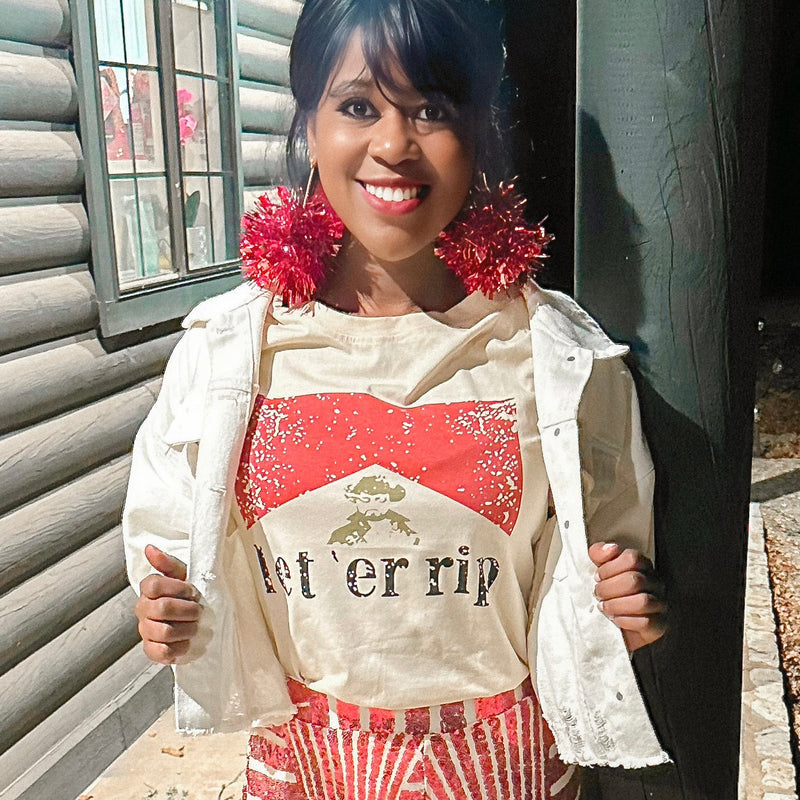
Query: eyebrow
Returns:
{"type": "Point", "coordinates": [348, 87]}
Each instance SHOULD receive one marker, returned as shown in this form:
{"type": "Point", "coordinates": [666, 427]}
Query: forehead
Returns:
{"type": "Point", "coordinates": [352, 74]}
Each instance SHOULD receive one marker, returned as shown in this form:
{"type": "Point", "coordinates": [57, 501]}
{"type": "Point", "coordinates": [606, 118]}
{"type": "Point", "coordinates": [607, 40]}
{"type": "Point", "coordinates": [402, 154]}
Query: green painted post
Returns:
{"type": "Point", "coordinates": [671, 133]}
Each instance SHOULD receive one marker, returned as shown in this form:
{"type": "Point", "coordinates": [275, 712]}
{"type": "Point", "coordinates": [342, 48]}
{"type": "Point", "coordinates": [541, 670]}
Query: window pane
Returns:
{"type": "Point", "coordinates": [154, 225]}
{"type": "Point", "coordinates": [208, 30]}
{"type": "Point", "coordinates": [186, 32]}
{"type": "Point", "coordinates": [116, 119]}
{"type": "Point", "coordinates": [213, 126]}
{"type": "Point", "coordinates": [108, 30]}
{"type": "Point", "coordinates": [140, 39]}
{"type": "Point", "coordinates": [141, 230]}
{"type": "Point", "coordinates": [125, 31]}
{"type": "Point", "coordinates": [197, 218]}
{"type": "Point", "coordinates": [226, 244]}
{"type": "Point", "coordinates": [191, 123]}
{"type": "Point", "coordinates": [126, 230]}
{"type": "Point", "coordinates": [148, 141]}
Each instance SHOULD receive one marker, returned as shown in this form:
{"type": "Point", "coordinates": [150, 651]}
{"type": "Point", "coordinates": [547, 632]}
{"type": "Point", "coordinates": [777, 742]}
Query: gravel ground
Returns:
{"type": "Point", "coordinates": [777, 487]}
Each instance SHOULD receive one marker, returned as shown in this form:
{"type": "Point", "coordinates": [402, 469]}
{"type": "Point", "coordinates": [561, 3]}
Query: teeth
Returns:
{"type": "Point", "coordinates": [389, 195]}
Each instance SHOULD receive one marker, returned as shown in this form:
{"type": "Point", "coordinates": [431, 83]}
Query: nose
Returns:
{"type": "Point", "coordinates": [394, 138]}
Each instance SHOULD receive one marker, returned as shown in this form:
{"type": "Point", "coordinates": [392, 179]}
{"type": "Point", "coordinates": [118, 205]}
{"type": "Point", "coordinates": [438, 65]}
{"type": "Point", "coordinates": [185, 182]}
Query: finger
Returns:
{"type": "Point", "coordinates": [167, 609]}
{"type": "Point", "coordinates": [638, 605]}
{"type": "Point", "coordinates": [166, 632]}
{"type": "Point", "coordinates": [154, 586]}
{"type": "Point", "coordinates": [628, 583]}
{"type": "Point", "coordinates": [625, 560]}
{"type": "Point", "coordinates": [644, 626]}
{"type": "Point", "coordinates": [166, 564]}
{"type": "Point", "coordinates": [602, 552]}
{"type": "Point", "coordinates": [165, 653]}
{"type": "Point", "coordinates": [634, 640]}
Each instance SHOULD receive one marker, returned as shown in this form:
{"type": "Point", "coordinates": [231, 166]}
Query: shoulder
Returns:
{"type": "Point", "coordinates": [245, 294]}
{"type": "Point", "coordinates": [563, 320]}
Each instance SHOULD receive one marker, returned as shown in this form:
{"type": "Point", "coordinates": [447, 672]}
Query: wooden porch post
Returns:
{"type": "Point", "coordinates": [670, 160]}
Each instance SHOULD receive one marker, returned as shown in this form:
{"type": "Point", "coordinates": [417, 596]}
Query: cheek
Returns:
{"type": "Point", "coordinates": [460, 169]}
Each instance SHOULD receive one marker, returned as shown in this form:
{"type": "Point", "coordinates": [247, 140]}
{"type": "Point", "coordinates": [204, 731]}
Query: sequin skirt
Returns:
{"type": "Point", "coordinates": [493, 748]}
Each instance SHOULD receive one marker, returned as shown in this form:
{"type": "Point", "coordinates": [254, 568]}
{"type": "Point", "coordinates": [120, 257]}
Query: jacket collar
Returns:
{"type": "Point", "coordinates": [224, 303]}
{"type": "Point", "coordinates": [567, 324]}
{"type": "Point", "coordinates": [554, 313]}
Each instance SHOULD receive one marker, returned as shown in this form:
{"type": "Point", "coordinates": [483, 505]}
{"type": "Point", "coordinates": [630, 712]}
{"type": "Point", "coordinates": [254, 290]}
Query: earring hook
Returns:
{"type": "Point", "coordinates": [311, 175]}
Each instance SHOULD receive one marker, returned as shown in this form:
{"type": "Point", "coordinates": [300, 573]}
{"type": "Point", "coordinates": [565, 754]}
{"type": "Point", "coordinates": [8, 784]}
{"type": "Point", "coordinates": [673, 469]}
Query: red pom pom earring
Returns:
{"type": "Point", "coordinates": [490, 246]}
{"type": "Point", "coordinates": [287, 247]}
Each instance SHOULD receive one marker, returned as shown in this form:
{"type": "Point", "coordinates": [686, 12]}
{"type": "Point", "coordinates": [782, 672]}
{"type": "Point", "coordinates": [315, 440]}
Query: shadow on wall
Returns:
{"type": "Point", "coordinates": [690, 678]}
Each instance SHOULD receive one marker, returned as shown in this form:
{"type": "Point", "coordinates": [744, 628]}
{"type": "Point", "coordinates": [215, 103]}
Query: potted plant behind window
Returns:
{"type": "Point", "coordinates": [196, 235]}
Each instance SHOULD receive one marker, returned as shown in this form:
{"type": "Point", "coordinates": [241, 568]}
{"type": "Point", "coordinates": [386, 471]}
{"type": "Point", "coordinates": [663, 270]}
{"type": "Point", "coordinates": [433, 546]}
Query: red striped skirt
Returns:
{"type": "Point", "coordinates": [494, 748]}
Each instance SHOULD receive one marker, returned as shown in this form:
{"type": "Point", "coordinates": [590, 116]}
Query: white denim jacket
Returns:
{"type": "Point", "coordinates": [181, 488]}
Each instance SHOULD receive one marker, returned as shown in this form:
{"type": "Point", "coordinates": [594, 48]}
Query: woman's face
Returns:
{"type": "Point", "coordinates": [395, 168]}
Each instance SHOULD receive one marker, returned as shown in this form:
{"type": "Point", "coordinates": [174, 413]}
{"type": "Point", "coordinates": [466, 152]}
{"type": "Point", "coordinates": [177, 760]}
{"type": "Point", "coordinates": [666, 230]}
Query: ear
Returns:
{"type": "Point", "coordinates": [311, 136]}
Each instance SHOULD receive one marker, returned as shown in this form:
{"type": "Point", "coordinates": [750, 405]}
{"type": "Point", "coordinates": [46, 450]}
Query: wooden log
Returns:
{"type": "Point", "coordinates": [263, 160]}
{"type": "Point", "coordinates": [44, 22]}
{"type": "Point", "coordinates": [270, 16]}
{"type": "Point", "coordinates": [60, 522]}
{"type": "Point", "coordinates": [84, 735]}
{"type": "Point", "coordinates": [57, 380]}
{"type": "Point", "coordinates": [41, 310]}
{"type": "Point", "coordinates": [37, 686]}
{"type": "Point", "coordinates": [39, 236]}
{"type": "Point", "coordinates": [262, 60]}
{"type": "Point", "coordinates": [54, 452]}
{"type": "Point", "coordinates": [265, 111]}
{"type": "Point", "coordinates": [40, 162]}
{"type": "Point", "coordinates": [45, 606]}
{"type": "Point", "coordinates": [37, 88]}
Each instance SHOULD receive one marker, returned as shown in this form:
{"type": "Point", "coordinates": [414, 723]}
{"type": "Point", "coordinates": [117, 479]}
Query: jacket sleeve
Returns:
{"type": "Point", "coordinates": [158, 506]}
{"type": "Point", "coordinates": [618, 476]}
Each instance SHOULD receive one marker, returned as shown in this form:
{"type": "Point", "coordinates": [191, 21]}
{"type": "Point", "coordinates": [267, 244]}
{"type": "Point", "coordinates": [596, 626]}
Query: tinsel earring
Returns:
{"type": "Point", "coordinates": [490, 246]}
{"type": "Point", "coordinates": [288, 246]}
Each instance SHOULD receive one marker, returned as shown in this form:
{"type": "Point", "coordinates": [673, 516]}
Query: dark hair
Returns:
{"type": "Point", "coordinates": [447, 47]}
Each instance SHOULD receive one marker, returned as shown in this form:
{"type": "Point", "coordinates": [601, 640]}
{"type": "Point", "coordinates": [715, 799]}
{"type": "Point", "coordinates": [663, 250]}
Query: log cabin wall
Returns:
{"type": "Point", "coordinates": [75, 688]}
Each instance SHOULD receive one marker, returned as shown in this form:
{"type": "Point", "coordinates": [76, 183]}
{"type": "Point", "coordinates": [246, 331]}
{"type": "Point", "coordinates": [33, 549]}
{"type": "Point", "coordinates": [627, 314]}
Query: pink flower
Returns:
{"type": "Point", "coordinates": [187, 125]}
{"type": "Point", "coordinates": [184, 96]}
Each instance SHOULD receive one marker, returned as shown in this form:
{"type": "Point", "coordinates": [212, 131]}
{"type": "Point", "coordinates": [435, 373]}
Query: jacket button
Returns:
{"type": "Point", "coordinates": [556, 431]}
{"type": "Point", "coordinates": [566, 523]}
{"type": "Point", "coordinates": [570, 358]}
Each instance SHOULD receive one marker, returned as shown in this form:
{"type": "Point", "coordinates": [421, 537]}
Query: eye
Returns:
{"type": "Point", "coordinates": [358, 108]}
{"type": "Point", "coordinates": [436, 112]}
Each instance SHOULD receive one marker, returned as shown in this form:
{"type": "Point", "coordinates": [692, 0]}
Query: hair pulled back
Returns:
{"type": "Point", "coordinates": [448, 47]}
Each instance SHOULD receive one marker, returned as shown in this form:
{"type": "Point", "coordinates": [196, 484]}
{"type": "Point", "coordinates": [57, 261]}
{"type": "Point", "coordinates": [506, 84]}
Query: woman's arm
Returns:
{"type": "Point", "coordinates": [618, 489]}
{"type": "Point", "coordinates": [158, 508]}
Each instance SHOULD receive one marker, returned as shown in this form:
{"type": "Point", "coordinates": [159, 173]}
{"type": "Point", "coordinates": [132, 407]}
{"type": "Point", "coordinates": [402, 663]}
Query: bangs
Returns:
{"type": "Point", "coordinates": [430, 53]}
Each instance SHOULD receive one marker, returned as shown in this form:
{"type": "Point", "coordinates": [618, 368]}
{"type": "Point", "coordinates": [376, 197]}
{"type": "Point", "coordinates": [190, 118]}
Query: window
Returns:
{"type": "Point", "coordinates": [160, 139]}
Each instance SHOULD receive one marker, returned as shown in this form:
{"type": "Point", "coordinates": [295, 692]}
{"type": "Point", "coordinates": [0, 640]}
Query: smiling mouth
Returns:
{"type": "Point", "coordinates": [396, 194]}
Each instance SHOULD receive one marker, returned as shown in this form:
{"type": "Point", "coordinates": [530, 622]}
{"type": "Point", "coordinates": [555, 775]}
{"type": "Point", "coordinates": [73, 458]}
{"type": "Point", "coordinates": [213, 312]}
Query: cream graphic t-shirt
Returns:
{"type": "Point", "coordinates": [393, 488]}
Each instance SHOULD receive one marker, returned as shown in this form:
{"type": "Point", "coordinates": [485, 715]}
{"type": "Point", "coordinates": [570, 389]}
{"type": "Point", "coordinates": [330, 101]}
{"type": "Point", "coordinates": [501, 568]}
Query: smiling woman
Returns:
{"type": "Point", "coordinates": [411, 490]}
{"type": "Point", "coordinates": [397, 168]}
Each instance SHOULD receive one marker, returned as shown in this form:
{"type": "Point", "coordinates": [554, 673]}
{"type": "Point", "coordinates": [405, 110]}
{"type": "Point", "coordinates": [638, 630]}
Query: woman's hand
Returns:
{"type": "Point", "coordinates": [629, 593]}
{"type": "Point", "coordinates": [167, 609]}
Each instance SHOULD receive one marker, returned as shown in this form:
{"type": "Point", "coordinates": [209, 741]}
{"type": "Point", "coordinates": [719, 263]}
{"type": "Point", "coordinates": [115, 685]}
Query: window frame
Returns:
{"type": "Point", "coordinates": [125, 311]}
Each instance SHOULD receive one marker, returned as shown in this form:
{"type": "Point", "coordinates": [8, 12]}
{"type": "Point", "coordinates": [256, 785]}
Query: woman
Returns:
{"type": "Point", "coordinates": [384, 480]}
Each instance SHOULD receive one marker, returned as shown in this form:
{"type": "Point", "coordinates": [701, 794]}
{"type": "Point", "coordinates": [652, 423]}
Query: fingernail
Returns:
{"type": "Point", "coordinates": [600, 604]}
{"type": "Point", "coordinates": [597, 576]}
{"type": "Point", "coordinates": [608, 546]}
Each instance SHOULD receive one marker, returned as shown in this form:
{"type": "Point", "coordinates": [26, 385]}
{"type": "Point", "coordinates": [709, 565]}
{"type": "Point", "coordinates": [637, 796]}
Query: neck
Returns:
{"type": "Point", "coordinates": [364, 285]}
